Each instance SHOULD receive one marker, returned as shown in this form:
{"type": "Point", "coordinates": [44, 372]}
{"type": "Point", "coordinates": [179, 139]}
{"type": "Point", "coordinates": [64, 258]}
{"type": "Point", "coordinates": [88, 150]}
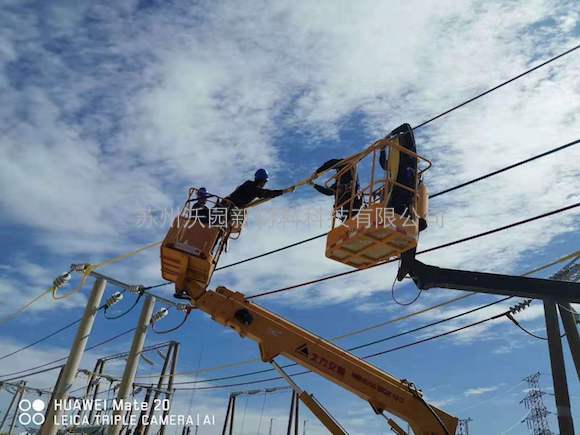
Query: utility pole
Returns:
{"type": "Point", "coordinates": [59, 377]}
{"type": "Point", "coordinates": [271, 424]}
{"type": "Point", "coordinates": [12, 401]}
{"type": "Point", "coordinates": [99, 366]}
{"type": "Point", "coordinates": [565, 422]}
{"type": "Point", "coordinates": [570, 272]}
{"type": "Point", "coordinates": [569, 320]}
{"type": "Point", "coordinates": [21, 385]}
{"type": "Point", "coordinates": [147, 400]}
{"type": "Point", "coordinates": [20, 393]}
{"type": "Point", "coordinates": [228, 426]}
{"type": "Point", "coordinates": [173, 353]}
{"type": "Point", "coordinates": [229, 418]}
{"type": "Point", "coordinates": [144, 429]}
{"type": "Point", "coordinates": [537, 419]}
{"type": "Point", "coordinates": [291, 414]}
{"type": "Point", "coordinates": [132, 363]}
{"type": "Point", "coordinates": [50, 427]}
{"type": "Point", "coordinates": [294, 418]}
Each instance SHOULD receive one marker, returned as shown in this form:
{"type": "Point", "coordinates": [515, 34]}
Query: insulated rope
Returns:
{"type": "Point", "coordinates": [88, 268]}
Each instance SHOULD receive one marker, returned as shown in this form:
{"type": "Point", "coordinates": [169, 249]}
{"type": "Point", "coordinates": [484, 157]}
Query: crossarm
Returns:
{"type": "Point", "coordinates": [426, 277]}
{"type": "Point", "coordinates": [277, 336]}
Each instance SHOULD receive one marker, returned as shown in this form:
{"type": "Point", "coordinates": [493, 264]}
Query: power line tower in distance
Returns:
{"type": "Point", "coordinates": [463, 428]}
{"type": "Point", "coordinates": [537, 418]}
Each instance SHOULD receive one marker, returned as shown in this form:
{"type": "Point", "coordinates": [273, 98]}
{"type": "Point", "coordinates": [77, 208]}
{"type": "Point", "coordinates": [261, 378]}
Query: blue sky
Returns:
{"type": "Point", "coordinates": [109, 110]}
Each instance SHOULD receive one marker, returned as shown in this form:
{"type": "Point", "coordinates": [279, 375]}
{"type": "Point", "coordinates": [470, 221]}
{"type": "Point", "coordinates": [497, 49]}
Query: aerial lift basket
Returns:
{"type": "Point", "coordinates": [382, 220]}
{"type": "Point", "coordinates": [194, 243]}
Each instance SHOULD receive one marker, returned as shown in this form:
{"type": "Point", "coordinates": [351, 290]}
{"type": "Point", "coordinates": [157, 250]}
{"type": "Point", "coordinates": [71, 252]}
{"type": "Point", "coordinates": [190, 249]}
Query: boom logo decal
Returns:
{"type": "Point", "coordinates": [320, 361]}
{"type": "Point", "coordinates": [303, 350]}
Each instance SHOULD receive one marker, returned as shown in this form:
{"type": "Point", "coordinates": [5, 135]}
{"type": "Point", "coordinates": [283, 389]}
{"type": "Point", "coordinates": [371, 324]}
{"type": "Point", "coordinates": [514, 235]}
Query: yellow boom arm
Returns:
{"type": "Point", "coordinates": [277, 336]}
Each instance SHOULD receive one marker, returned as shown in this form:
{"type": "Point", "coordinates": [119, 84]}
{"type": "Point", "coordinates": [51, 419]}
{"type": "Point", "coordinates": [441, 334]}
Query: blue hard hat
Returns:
{"type": "Point", "coordinates": [202, 192]}
{"type": "Point", "coordinates": [261, 175]}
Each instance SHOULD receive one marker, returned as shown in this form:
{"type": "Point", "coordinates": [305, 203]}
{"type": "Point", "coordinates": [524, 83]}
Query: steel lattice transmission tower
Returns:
{"type": "Point", "coordinates": [463, 428]}
{"type": "Point", "coordinates": [537, 418]}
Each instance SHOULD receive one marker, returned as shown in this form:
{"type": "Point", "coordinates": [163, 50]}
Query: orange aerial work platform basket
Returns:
{"type": "Point", "coordinates": [196, 239]}
{"type": "Point", "coordinates": [382, 220]}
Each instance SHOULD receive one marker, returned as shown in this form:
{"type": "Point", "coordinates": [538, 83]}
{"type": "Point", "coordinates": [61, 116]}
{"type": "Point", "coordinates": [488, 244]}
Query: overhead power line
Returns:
{"type": "Point", "coordinates": [336, 275]}
{"type": "Point", "coordinates": [322, 235]}
{"type": "Point", "coordinates": [494, 88]}
{"type": "Point", "coordinates": [104, 307]}
{"type": "Point", "coordinates": [334, 339]}
{"type": "Point", "coordinates": [502, 84]}
{"type": "Point", "coordinates": [434, 337]}
{"type": "Point", "coordinates": [507, 168]}
{"type": "Point", "coordinates": [531, 334]}
{"type": "Point", "coordinates": [373, 355]}
{"type": "Point", "coordinates": [513, 309]}
{"type": "Point", "coordinates": [424, 123]}
{"type": "Point", "coordinates": [435, 248]}
{"type": "Point", "coordinates": [450, 189]}
{"type": "Point", "coordinates": [573, 256]}
{"type": "Point", "coordinates": [283, 248]}
{"type": "Point", "coordinates": [360, 346]}
{"type": "Point", "coordinates": [38, 372]}
{"type": "Point", "coordinates": [40, 340]}
{"type": "Point", "coordinates": [102, 343]}
{"type": "Point", "coordinates": [482, 94]}
{"type": "Point", "coordinates": [493, 173]}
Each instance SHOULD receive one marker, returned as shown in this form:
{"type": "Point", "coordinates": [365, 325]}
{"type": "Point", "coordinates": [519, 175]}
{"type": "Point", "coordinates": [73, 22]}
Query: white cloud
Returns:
{"type": "Point", "coordinates": [150, 103]}
{"type": "Point", "coordinates": [479, 391]}
{"type": "Point", "coordinates": [198, 99]}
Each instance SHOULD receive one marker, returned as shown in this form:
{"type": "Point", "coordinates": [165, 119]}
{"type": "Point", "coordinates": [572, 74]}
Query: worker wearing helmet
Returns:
{"type": "Point", "coordinates": [250, 190]}
{"type": "Point", "coordinates": [198, 210]}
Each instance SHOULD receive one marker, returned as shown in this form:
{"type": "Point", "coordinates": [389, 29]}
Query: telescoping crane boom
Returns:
{"type": "Point", "coordinates": [277, 336]}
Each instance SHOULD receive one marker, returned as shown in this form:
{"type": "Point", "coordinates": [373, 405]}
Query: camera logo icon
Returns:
{"type": "Point", "coordinates": [31, 412]}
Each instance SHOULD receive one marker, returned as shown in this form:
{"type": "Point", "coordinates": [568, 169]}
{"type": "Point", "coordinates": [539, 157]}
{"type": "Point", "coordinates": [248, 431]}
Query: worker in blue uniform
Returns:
{"type": "Point", "coordinates": [250, 190]}
{"type": "Point", "coordinates": [245, 194]}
